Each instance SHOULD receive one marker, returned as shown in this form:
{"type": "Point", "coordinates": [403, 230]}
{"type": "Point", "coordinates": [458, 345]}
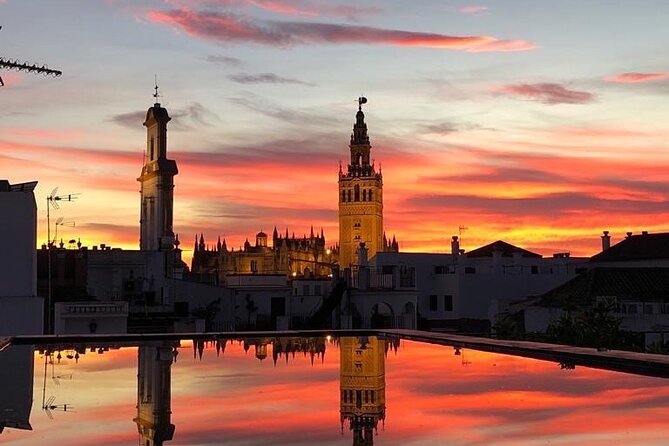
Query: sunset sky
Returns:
{"type": "Point", "coordinates": [540, 123]}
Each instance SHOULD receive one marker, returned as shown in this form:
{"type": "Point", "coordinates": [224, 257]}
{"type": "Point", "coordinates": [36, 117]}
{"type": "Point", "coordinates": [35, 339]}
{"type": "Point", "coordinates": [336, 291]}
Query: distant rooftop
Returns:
{"type": "Point", "coordinates": [507, 250]}
{"type": "Point", "coordinates": [645, 284]}
{"type": "Point", "coordinates": [637, 247]}
{"type": "Point", "coordinates": [19, 187]}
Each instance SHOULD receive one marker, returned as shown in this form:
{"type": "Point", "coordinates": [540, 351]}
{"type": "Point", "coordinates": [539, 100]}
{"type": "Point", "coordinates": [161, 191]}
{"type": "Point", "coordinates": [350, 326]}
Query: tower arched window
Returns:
{"type": "Point", "coordinates": [151, 149]}
{"type": "Point", "coordinates": [343, 195]}
{"type": "Point", "coordinates": [356, 193]}
{"type": "Point", "coordinates": [369, 195]}
{"type": "Point", "coordinates": [364, 195]}
{"type": "Point", "coordinates": [349, 195]}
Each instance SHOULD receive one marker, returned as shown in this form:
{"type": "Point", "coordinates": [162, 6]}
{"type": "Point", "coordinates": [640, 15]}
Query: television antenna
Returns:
{"type": "Point", "coordinates": [49, 407]}
{"type": "Point", "coordinates": [60, 222]}
{"type": "Point", "coordinates": [11, 64]}
{"type": "Point", "coordinates": [52, 200]}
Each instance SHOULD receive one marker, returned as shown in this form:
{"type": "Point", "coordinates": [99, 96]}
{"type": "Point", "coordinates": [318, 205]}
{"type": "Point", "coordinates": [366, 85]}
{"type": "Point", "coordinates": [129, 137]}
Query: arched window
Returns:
{"type": "Point", "coordinates": [357, 193]}
{"type": "Point", "coordinates": [364, 195]}
{"type": "Point", "coordinates": [343, 195]}
{"type": "Point", "coordinates": [349, 195]}
{"type": "Point", "coordinates": [369, 195]}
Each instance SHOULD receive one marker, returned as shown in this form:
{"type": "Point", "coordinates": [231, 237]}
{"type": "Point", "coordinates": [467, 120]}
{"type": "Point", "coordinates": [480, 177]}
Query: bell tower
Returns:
{"type": "Point", "coordinates": [360, 197]}
{"type": "Point", "coordinates": [157, 184]}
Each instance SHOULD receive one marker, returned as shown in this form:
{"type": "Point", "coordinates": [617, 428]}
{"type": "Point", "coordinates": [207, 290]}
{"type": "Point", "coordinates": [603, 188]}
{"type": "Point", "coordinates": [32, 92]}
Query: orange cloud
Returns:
{"type": "Point", "coordinates": [636, 78]}
{"type": "Point", "coordinates": [230, 28]}
{"type": "Point", "coordinates": [548, 93]}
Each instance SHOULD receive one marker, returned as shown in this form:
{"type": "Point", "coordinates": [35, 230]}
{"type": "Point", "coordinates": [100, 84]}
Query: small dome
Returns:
{"type": "Point", "coordinates": [261, 234]}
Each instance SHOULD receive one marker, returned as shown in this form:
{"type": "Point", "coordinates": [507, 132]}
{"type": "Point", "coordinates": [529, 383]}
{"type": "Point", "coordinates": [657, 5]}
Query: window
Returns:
{"type": "Point", "coordinates": [534, 269]}
{"type": "Point", "coordinates": [441, 269]}
{"type": "Point", "coordinates": [151, 149]}
{"type": "Point", "coordinates": [343, 195]}
{"type": "Point", "coordinates": [434, 305]}
{"type": "Point", "coordinates": [369, 195]}
{"type": "Point", "coordinates": [364, 195]}
{"type": "Point", "coordinates": [349, 195]}
{"type": "Point", "coordinates": [356, 193]}
{"type": "Point", "coordinates": [448, 302]}
{"type": "Point", "coordinates": [254, 266]}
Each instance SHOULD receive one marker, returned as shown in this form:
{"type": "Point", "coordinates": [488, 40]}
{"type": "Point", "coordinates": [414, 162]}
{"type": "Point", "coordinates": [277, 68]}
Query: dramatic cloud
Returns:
{"type": "Point", "coordinates": [547, 93]}
{"type": "Point", "coordinates": [266, 78]}
{"type": "Point", "coordinates": [182, 119]}
{"type": "Point", "coordinates": [473, 9]}
{"type": "Point", "coordinates": [231, 28]}
{"type": "Point", "coordinates": [636, 78]}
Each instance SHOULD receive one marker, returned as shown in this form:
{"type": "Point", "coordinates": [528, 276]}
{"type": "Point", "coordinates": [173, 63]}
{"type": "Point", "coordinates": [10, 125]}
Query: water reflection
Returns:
{"type": "Point", "coordinates": [154, 392]}
{"type": "Point", "coordinates": [16, 387]}
{"type": "Point", "coordinates": [362, 383]}
{"type": "Point", "coordinates": [317, 391]}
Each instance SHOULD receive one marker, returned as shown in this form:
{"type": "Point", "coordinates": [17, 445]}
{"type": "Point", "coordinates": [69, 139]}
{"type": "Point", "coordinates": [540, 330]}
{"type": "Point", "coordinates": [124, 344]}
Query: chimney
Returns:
{"type": "Point", "coordinates": [455, 245]}
{"type": "Point", "coordinates": [606, 241]}
{"type": "Point", "coordinates": [644, 232]}
{"type": "Point", "coordinates": [628, 234]}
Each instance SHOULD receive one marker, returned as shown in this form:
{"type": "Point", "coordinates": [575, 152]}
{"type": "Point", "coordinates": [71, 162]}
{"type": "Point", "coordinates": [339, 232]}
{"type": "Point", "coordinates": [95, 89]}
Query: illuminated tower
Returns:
{"type": "Point", "coordinates": [360, 197]}
{"type": "Point", "coordinates": [362, 381]}
{"type": "Point", "coordinates": [154, 405]}
{"type": "Point", "coordinates": [157, 184]}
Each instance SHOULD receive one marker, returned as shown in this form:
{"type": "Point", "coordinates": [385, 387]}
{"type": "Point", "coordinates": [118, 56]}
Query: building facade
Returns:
{"type": "Point", "coordinates": [306, 256]}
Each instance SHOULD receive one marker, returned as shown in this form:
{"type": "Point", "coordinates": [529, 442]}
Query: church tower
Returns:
{"type": "Point", "coordinates": [362, 382]}
{"type": "Point", "coordinates": [360, 197]}
{"type": "Point", "coordinates": [157, 184]}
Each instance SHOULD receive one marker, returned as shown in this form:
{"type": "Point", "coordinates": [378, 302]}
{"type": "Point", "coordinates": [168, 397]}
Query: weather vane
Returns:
{"type": "Point", "coordinates": [361, 100]}
{"type": "Point", "coordinates": [156, 95]}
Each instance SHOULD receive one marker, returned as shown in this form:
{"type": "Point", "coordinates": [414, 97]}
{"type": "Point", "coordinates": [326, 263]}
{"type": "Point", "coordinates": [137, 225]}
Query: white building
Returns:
{"type": "Point", "coordinates": [21, 311]}
{"type": "Point", "coordinates": [455, 290]}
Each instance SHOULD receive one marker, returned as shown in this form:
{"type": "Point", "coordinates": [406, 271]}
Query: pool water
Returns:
{"type": "Point", "coordinates": [317, 391]}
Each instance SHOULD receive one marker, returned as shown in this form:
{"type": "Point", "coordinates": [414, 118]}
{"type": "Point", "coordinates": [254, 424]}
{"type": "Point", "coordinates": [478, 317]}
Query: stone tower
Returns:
{"type": "Point", "coordinates": [157, 184]}
{"type": "Point", "coordinates": [360, 198]}
{"type": "Point", "coordinates": [362, 382]}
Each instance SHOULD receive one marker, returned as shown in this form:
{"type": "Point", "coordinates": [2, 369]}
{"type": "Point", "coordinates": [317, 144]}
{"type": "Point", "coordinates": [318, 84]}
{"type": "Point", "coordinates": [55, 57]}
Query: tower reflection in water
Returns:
{"type": "Point", "coordinates": [362, 382]}
{"type": "Point", "coordinates": [154, 392]}
{"type": "Point", "coordinates": [362, 379]}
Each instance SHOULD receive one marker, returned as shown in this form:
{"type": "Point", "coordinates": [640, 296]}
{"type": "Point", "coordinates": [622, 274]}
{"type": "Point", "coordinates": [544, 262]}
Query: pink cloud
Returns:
{"type": "Point", "coordinates": [230, 28]}
{"type": "Point", "coordinates": [635, 78]}
{"type": "Point", "coordinates": [473, 9]}
{"type": "Point", "coordinates": [548, 93]}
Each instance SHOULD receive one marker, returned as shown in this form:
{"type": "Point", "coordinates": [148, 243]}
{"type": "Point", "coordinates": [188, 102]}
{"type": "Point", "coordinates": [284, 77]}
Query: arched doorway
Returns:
{"type": "Point", "coordinates": [383, 316]}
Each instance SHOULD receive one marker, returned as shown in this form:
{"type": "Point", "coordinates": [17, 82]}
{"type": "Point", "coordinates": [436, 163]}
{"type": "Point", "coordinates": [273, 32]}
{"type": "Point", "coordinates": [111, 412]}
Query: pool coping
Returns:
{"type": "Point", "coordinates": [616, 360]}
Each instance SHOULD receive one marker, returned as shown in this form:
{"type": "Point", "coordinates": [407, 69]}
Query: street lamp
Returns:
{"type": "Point", "coordinates": [52, 200]}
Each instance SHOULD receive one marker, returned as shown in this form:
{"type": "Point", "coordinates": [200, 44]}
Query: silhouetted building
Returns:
{"type": "Point", "coordinates": [362, 381]}
{"type": "Point", "coordinates": [20, 308]}
{"type": "Point", "coordinates": [157, 184]}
